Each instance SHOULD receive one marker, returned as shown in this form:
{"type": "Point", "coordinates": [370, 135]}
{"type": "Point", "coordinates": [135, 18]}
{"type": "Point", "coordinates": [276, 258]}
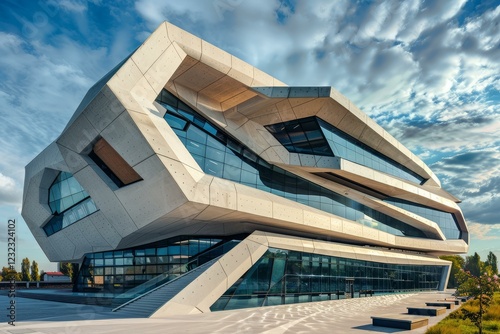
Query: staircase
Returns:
{"type": "Point", "coordinates": [145, 305]}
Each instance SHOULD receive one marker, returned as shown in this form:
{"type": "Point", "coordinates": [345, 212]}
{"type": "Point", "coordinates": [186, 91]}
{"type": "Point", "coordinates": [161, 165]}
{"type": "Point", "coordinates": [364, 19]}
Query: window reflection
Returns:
{"type": "Point", "coordinates": [69, 203]}
{"type": "Point", "coordinates": [221, 156]}
{"type": "Point", "coordinates": [121, 270]}
{"type": "Point", "coordinates": [314, 136]}
{"type": "Point", "coordinates": [445, 220]}
{"type": "Point", "coordinates": [286, 277]}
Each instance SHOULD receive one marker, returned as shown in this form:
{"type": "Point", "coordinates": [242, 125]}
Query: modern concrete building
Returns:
{"type": "Point", "coordinates": [184, 156]}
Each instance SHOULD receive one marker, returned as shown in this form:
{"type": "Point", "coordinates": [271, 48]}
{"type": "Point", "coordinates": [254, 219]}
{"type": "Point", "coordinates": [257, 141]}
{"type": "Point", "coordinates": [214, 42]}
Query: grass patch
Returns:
{"type": "Point", "coordinates": [454, 323]}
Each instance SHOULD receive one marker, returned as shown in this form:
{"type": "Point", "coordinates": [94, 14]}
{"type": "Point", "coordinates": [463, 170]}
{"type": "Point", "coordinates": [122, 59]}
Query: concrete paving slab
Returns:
{"type": "Point", "coordinates": [338, 316]}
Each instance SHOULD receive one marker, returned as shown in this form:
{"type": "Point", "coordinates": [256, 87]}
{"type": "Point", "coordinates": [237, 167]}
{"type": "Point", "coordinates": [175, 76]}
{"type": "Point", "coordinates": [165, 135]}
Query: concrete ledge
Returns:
{"type": "Point", "coordinates": [427, 310]}
{"type": "Point", "coordinates": [448, 305]}
{"type": "Point", "coordinates": [402, 321]}
{"type": "Point", "coordinates": [452, 300]}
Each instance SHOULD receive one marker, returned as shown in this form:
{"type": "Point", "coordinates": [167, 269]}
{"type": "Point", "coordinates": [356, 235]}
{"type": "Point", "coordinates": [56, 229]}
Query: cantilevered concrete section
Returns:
{"type": "Point", "coordinates": [183, 142]}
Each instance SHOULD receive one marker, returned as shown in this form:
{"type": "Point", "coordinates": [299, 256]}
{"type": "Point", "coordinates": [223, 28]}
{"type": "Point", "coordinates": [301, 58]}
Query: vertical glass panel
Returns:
{"type": "Point", "coordinates": [307, 280]}
{"type": "Point", "coordinates": [68, 203]}
{"type": "Point", "coordinates": [445, 220]}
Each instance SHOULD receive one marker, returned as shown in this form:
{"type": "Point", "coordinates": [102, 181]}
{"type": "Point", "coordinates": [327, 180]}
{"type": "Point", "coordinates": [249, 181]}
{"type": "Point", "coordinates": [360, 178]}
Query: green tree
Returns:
{"type": "Point", "coordinates": [473, 264]}
{"type": "Point", "coordinates": [8, 274]}
{"type": "Point", "coordinates": [457, 263]}
{"type": "Point", "coordinates": [35, 275]}
{"type": "Point", "coordinates": [25, 270]}
{"type": "Point", "coordinates": [491, 260]}
{"type": "Point", "coordinates": [67, 269]}
{"type": "Point", "coordinates": [481, 288]}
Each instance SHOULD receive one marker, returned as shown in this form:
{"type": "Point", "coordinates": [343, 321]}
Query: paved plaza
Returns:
{"type": "Point", "coordinates": [341, 316]}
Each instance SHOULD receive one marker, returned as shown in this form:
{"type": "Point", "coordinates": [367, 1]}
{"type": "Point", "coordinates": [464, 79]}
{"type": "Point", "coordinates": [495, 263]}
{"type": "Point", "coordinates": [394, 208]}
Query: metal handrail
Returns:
{"type": "Point", "coordinates": [163, 277]}
{"type": "Point", "coordinates": [158, 287]}
{"type": "Point", "coordinates": [140, 289]}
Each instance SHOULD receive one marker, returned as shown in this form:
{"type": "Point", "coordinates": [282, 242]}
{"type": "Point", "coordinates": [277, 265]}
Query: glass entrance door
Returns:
{"type": "Point", "coordinates": [349, 287]}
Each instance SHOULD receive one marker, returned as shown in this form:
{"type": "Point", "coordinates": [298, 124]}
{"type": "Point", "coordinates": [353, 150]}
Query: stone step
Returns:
{"type": "Point", "coordinates": [448, 305]}
{"type": "Point", "coordinates": [402, 321]}
{"type": "Point", "coordinates": [427, 310]}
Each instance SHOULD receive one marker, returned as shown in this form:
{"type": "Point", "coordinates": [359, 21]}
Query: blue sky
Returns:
{"type": "Point", "coordinates": [427, 71]}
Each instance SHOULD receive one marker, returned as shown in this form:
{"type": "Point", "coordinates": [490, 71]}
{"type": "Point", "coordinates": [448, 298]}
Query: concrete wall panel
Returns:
{"type": "Point", "coordinates": [78, 136]}
{"type": "Point", "coordinates": [62, 245]}
{"type": "Point", "coordinates": [241, 71]}
{"type": "Point", "coordinates": [223, 194]}
{"type": "Point", "coordinates": [151, 49]}
{"type": "Point", "coordinates": [103, 109]}
{"type": "Point", "coordinates": [249, 201]}
{"type": "Point", "coordinates": [332, 112]}
{"type": "Point", "coordinates": [287, 213]}
{"type": "Point", "coordinates": [125, 78]}
{"type": "Point", "coordinates": [199, 76]}
{"type": "Point", "coordinates": [317, 219]}
{"type": "Point", "coordinates": [261, 79]}
{"type": "Point", "coordinates": [215, 57]}
{"type": "Point", "coordinates": [153, 197]}
{"type": "Point", "coordinates": [129, 142]}
{"type": "Point", "coordinates": [188, 42]}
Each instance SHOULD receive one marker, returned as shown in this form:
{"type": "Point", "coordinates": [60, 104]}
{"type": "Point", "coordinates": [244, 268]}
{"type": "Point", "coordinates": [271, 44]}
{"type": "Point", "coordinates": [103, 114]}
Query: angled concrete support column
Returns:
{"type": "Point", "coordinates": [198, 296]}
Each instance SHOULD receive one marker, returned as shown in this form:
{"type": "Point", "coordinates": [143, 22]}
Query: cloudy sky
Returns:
{"type": "Point", "coordinates": [427, 71]}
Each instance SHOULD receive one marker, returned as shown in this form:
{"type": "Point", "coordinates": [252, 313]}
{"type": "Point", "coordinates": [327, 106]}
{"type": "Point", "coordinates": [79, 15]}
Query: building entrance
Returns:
{"type": "Point", "coordinates": [349, 287]}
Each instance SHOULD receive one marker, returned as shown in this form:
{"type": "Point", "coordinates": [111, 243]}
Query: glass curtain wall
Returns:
{"type": "Point", "coordinates": [286, 277]}
{"type": "Point", "coordinates": [222, 156]}
{"type": "Point", "coordinates": [314, 136]}
{"type": "Point", "coordinates": [120, 270]}
{"type": "Point", "coordinates": [445, 220]}
{"type": "Point", "coordinates": [69, 203]}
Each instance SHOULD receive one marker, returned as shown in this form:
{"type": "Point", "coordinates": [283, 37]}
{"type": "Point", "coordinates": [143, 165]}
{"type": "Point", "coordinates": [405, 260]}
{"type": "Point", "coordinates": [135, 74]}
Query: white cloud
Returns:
{"type": "Point", "coordinates": [423, 15]}
{"type": "Point", "coordinates": [10, 193]}
{"type": "Point", "coordinates": [42, 84]}
{"type": "Point", "coordinates": [75, 6]}
{"type": "Point", "coordinates": [411, 65]}
{"type": "Point", "coordinates": [484, 232]}
{"type": "Point", "coordinates": [366, 52]}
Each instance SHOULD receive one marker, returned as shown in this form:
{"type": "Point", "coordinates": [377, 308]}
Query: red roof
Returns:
{"type": "Point", "coordinates": [54, 273]}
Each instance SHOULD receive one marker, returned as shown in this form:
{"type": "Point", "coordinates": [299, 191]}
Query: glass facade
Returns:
{"type": "Point", "coordinates": [65, 192]}
{"type": "Point", "coordinates": [68, 201]}
{"type": "Point", "coordinates": [301, 136]}
{"type": "Point", "coordinates": [286, 277]}
{"type": "Point", "coordinates": [220, 155]}
{"type": "Point", "coordinates": [445, 220]}
{"type": "Point", "coordinates": [312, 135]}
{"type": "Point", "coordinates": [120, 270]}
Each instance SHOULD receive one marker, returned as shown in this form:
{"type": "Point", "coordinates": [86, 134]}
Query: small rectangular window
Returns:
{"type": "Point", "coordinates": [111, 163]}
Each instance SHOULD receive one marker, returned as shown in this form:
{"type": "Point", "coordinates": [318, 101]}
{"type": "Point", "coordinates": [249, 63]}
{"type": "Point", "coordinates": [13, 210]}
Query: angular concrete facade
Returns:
{"type": "Point", "coordinates": [132, 177]}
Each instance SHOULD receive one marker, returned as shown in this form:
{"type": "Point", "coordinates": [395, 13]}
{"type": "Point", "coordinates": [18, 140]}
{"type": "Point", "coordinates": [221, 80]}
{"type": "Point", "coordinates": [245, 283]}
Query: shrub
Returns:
{"type": "Point", "coordinates": [493, 313]}
{"type": "Point", "coordinates": [444, 330]}
{"type": "Point", "coordinates": [494, 327]}
{"type": "Point", "coordinates": [456, 322]}
{"type": "Point", "coordinates": [481, 288]}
